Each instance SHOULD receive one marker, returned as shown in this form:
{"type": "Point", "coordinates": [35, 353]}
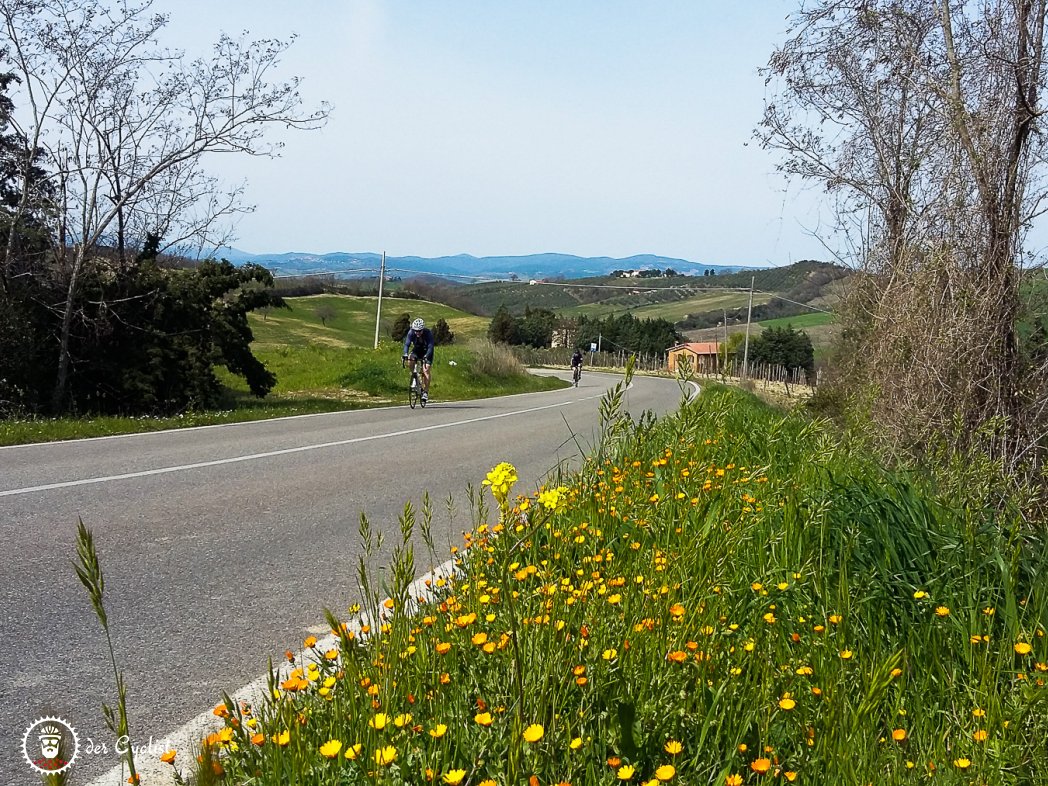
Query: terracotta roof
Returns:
{"type": "Point", "coordinates": [698, 347]}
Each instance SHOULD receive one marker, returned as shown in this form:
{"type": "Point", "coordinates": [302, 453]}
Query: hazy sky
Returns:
{"type": "Point", "coordinates": [491, 127]}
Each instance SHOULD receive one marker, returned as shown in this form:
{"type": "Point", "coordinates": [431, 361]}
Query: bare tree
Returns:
{"type": "Point", "coordinates": [920, 119]}
{"type": "Point", "coordinates": [124, 124]}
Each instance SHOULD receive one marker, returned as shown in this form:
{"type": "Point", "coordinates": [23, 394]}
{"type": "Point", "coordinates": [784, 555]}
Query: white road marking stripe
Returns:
{"type": "Point", "coordinates": [285, 451]}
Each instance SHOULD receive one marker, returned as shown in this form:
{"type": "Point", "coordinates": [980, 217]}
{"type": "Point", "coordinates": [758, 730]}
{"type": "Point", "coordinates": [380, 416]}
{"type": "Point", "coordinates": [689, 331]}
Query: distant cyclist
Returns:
{"type": "Point", "coordinates": [418, 345]}
{"type": "Point", "coordinates": [576, 366]}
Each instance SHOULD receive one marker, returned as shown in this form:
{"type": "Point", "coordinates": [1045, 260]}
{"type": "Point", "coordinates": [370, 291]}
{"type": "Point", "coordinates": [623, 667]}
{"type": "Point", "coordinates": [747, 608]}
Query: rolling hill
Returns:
{"type": "Point", "coordinates": [464, 266]}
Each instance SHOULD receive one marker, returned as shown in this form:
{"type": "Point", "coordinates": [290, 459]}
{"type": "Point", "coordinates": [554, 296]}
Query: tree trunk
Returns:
{"type": "Point", "coordinates": [58, 395]}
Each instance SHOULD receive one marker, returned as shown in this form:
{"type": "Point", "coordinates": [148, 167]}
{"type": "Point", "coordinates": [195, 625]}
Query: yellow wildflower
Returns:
{"type": "Point", "coordinates": [330, 749]}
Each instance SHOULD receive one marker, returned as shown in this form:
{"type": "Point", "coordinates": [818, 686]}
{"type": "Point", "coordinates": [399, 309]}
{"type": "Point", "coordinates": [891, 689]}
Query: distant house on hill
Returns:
{"type": "Point", "coordinates": [703, 355]}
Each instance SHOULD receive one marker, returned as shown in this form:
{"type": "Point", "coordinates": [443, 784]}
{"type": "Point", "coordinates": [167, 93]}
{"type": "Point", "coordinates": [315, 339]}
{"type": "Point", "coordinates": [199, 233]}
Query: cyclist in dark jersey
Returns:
{"type": "Point", "coordinates": [418, 345]}
{"type": "Point", "coordinates": [576, 363]}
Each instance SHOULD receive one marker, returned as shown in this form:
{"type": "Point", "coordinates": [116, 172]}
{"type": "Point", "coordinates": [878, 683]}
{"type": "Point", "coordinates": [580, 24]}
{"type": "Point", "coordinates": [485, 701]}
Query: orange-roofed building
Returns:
{"type": "Point", "coordinates": [703, 356]}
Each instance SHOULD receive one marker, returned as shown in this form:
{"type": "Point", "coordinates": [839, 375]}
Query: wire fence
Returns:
{"type": "Point", "coordinates": [658, 363]}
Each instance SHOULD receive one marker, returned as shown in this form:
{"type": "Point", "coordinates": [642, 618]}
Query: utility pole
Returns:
{"type": "Point", "coordinates": [746, 350]}
{"type": "Point", "coordinates": [724, 368]}
{"type": "Point", "coordinates": [378, 310]}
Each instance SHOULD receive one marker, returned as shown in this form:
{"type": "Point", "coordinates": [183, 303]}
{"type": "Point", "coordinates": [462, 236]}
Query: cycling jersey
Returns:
{"type": "Point", "coordinates": [576, 360]}
{"type": "Point", "coordinates": [419, 344]}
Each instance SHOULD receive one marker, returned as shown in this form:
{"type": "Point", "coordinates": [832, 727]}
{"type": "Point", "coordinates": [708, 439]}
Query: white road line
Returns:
{"type": "Point", "coordinates": [237, 423]}
{"type": "Point", "coordinates": [285, 451]}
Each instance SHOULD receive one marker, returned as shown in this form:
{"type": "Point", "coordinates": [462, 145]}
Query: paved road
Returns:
{"type": "Point", "coordinates": [221, 546]}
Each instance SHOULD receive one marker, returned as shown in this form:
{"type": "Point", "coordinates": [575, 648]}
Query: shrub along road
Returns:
{"type": "Point", "coordinates": [222, 545]}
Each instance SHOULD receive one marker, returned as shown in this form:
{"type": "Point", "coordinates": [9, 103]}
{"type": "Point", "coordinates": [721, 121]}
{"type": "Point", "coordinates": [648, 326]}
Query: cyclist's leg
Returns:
{"type": "Point", "coordinates": [411, 364]}
{"type": "Point", "coordinates": [427, 364]}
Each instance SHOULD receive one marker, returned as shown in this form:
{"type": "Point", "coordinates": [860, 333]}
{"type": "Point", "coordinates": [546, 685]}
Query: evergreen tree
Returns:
{"type": "Point", "coordinates": [503, 328]}
{"type": "Point", "coordinates": [401, 327]}
{"type": "Point", "coordinates": [442, 333]}
{"type": "Point", "coordinates": [784, 346]}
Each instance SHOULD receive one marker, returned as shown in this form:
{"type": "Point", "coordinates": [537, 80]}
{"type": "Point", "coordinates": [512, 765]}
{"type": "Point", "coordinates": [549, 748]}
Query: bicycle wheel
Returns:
{"type": "Point", "coordinates": [575, 375]}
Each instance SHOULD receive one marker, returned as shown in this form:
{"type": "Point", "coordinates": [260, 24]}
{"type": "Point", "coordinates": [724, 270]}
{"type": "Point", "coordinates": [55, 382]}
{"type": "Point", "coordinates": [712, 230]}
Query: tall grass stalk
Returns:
{"type": "Point", "coordinates": [89, 571]}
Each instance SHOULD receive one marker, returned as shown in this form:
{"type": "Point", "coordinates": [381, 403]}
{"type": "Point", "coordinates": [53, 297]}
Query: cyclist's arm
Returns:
{"type": "Point", "coordinates": [407, 341]}
{"type": "Point", "coordinates": [430, 344]}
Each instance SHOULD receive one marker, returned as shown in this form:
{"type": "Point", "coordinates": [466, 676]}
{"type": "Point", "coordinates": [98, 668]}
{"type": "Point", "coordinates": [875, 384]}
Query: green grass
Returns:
{"type": "Point", "coordinates": [714, 594]}
{"type": "Point", "coordinates": [242, 407]}
{"type": "Point", "coordinates": [814, 319]}
{"type": "Point", "coordinates": [352, 323]}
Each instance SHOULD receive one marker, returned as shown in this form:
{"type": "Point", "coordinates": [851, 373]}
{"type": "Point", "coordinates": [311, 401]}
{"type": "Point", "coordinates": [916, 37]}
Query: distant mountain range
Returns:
{"type": "Point", "coordinates": [464, 266]}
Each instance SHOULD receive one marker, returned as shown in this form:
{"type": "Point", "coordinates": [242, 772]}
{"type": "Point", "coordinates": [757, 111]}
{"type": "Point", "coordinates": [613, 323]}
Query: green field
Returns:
{"type": "Point", "coordinates": [814, 319]}
{"type": "Point", "coordinates": [352, 323]}
{"type": "Point", "coordinates": [674, 310]}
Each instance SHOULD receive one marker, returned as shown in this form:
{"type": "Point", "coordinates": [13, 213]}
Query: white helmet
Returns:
{"type": "Point", "coordinates": [418, 324]}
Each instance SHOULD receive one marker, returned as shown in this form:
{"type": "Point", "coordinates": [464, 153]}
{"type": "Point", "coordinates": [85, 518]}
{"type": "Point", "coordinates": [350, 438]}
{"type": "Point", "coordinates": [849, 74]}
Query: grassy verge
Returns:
{"type": "Point", "coordinates": [728, 596]}
{"type": "Point", "coordinates": [242, 407]}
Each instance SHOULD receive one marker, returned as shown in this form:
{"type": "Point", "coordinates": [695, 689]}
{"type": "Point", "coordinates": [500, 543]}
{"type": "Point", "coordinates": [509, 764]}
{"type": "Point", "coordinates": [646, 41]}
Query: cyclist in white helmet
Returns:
{"type": "Point", "coordinates": [418, 345]}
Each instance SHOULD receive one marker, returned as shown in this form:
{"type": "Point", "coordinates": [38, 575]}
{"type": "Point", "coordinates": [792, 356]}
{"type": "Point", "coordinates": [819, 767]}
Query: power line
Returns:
{"type": "Point", "coordinates": [689, 288]}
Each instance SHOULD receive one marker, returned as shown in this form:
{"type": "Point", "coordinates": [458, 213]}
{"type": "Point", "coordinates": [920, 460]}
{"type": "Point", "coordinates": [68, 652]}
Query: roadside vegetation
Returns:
{"type": "Point", "coordinates": [730, 595]}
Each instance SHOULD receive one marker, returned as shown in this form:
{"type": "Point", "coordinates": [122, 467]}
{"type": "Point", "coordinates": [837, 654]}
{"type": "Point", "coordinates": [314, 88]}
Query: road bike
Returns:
{"type": "Point", "coordinates": [576, 372]}
{"type": "Point", "coordinates": [414, 386]}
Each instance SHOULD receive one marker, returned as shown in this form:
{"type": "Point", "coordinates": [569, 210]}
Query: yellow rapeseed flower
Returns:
{"type": "Point", "coordinates": [980, 735]}
{"type": "Point", "coordinates": [501, 479]}
{"type": "Point", "coordinates": [483, 718]}
{"type": "Point", "coordinates": [353, 751]}
{"type": "Point", "coordinates": [786, 702]}
{"type": "Point", "coordinates": [283, 738]}
{"type": "Point", "coordinates": [454, 777]}
{"type": "Point", "coordinates": [438, 731]}
{"type": "Point", "coordinates": [554, 499]}
{"type": "Point", "coordinates": [625, 772]}
{"type": "Point", "coordinates": [962, 763]}
{"type": "Point", "coordinates": [920, 594]}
